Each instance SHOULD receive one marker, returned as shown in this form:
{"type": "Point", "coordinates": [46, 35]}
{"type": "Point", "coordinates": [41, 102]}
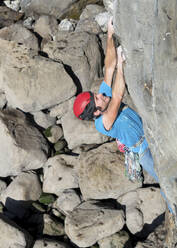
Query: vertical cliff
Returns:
{"type": "Point", "coordinates": [148, 33]}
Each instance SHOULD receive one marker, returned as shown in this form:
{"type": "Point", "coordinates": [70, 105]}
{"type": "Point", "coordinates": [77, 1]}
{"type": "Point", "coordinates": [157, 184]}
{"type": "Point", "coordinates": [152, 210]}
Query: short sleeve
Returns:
{"type": "Point", "coordinates": [105, 89]}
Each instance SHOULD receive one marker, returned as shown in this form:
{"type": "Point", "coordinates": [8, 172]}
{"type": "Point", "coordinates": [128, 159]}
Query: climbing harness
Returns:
{"type": "Point", "coordinates": [133, 169]}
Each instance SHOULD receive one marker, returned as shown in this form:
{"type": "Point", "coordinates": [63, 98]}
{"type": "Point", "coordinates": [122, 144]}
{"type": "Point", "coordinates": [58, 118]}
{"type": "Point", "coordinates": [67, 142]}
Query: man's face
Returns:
{"type": "Point", "coordinates": [101, 101]}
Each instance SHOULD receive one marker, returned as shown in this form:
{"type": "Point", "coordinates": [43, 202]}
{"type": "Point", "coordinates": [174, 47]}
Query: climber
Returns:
{"type": "Point", "coordinates": [112, 117]}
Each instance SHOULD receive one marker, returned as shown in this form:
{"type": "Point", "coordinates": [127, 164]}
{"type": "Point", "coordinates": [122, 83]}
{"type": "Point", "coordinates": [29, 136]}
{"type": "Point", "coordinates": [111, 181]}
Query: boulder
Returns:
{"type": "Point", "coordinates": [31, 82]}
{"type": "Point", "coordinates": [54, 133]}
{"type": "Point", "coordinates": [60, 174]}
{"type": "Point", "coordinates": [109, 5]}
{"type": "Point", "coordinates": [67, 25]}
{"type": "Point", "coordinates": [11, 235]}
{"type": "Point", "coordinates": [18, 33]}
{"type": "Point", "coordinates": [52, 226]}
{"type": "Point", "coordinates": [22, 146]}
{"type": "Point", "coordinates": [138, 210]}
{"type": "Point", "coordinates": [80, 53]}
{"type": "Point", "coordinates": [102, 173]}
{"type": "Point", "coordinates": [46, 27]}
{"type": "Point", "coordinates": [150, 74]}
{"type": "Point", "coordinates": [85, 226]}
{"type": "Point", "coordinates": [102, 20]}
{"type": "Point", "coordinates": [25, 187]}
{"type": "Point", "coordinates": [67, 201]}
{"type": "Point", "coordinates": [8, 16]}
{"type": "Point", "coordinates": [15, 5]}
{"type": "Point", "coordinates": [117, 240]}
{"type": "Point", "coordinates": [42, 243]}
{"type": "Point", "coordinates": [56, 8]}
{"type": "Point", "coordinates": [43, 119]}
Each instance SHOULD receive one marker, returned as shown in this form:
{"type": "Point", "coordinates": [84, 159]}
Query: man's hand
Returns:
{"type": "Point", "coordinates": [120, 56]}
{"type": "Point", "coordinates": [110, 27]}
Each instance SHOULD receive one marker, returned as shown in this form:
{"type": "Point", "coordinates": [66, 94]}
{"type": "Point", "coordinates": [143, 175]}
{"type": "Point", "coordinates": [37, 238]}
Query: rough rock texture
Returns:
{"type": "Point", "coordinates": [85, 226]}
{"type": "Point", "coordinates": [67, 201]}
{"type": "Point", "coordinates": [49, 244]}
{"type": "Point", "coordinates": [138, 210]}
{"type": "Point", "coordinates": [27, 78]}
{"type": "Point", "coordinates": [25, 187]}
{"type": "Point", "coordinates": [22, 146]}
{"type": "Point", "coordinates": [150, 73]}
{"type": "Point", "coordinates": [8, 16]}
{"type": "Point", "coordinates": [59, 174]}
{"type": "Point", "coordinates": [117, 240]}
{"type": "Point", "coordinates": [102, 173]}
{"type": "Point", "coordinates": [81, 55]}
{"type": "Point", "coordinates": [11, 236]}
{"type": "Point", "coordinates": [20, 34]}
{"type": "Point", "coordinates": [57, 8]}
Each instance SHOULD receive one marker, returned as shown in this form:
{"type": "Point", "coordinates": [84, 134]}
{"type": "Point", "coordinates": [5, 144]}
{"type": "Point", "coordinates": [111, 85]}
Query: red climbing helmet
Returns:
{"type": "Point", "coordinates": [84, 106]}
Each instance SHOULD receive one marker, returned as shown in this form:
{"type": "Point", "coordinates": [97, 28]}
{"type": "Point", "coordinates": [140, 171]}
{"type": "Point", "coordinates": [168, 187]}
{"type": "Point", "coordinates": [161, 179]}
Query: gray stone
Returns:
{"type": "Point", "coordinates": [109, 5]}
{"type": "Point", "coordinates": [15, 5]}
{"type": "Point", "coordinates": [90, 11]}
{"type": "Point", "coordinates": [55, 8]}
{"type": "Point", "coordinates": [138, 210]}
{"type": "Point", "coordinates": [56, 133]}
{"type": "Point", "coordinates": [43, 119]}
{"type": "Point", "coordinates": [150, 73]}
{"type": "Point", "coordinates": [88, 25]}
{"type": "Point", "coordinates": [60, 174]}
{"type": "Point", "coordinates": [102, 20]}
{"type": "Point", "coordinates": [22, 146]}
{"type": "Point", "coordinates": [117, 240]}
{"type": "Point", "coordinates": [12, 237]}
{"type": "Point", "coordinates": [31, 82]}
{"type": "Point", "coordinates": [102, 173]}
{"type": "Point", "coordinates": [67, 25]}
{"type": "Point", "coordinates": [67, 201]}
{"type": "Point", "coordinates": [3, 186]}
{"type": "Point", "coordinates": [52, 227]}
{"type": "Point", "coordinates": [42, 243]}
{"type": "Point", "coordinates": [46, 27]}
{"type": "Point", "coordinates": [25, 187]}
{"type": "Point", "coordinates": [20, 34]}
{"type": "Point", "coordinates": [85, 226]}
{"type": "Point", "coordinates": [80, 53]}
{"type": "Point", "coordinates": [3, 100]}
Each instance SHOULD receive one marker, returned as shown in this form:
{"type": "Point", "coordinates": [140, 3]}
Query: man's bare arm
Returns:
{"type": "Point", "coordinates": [110, 114]}
{"type": "Point", "coordinates": [110, 59]}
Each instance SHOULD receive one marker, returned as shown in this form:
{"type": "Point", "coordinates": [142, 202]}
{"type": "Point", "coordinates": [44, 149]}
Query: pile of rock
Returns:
{"type": "Point", "coordinates": [62, 183]}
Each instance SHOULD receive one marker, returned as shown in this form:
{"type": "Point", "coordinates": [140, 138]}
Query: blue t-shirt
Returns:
{"type": "Point", "coordinates": [127, 128]}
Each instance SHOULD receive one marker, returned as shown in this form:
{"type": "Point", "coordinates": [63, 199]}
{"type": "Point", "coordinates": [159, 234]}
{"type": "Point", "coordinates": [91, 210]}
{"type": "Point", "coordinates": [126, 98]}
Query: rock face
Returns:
{"type": "Point", "coordinates": [22, 145]}
{"type": "Point", "coordinates": [150, 73]}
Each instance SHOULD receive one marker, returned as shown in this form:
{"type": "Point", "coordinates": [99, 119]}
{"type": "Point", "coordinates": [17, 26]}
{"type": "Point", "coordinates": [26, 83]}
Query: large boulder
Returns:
{"type": "Point", "coordinates": [31, 82]}
{"type": "Point", "coordinates": [12, 236]}
{"type": "Point", "coordinates": [60, 174]}
{"type": "Point", "coordinates": [138, 210]}
{"type": "Point", "coordinates": [102, 173]}
{"type": "Point", "coordinates": [42, 243]}
{"type": "Point", "coordinates": [80, 53]}
{"type": "Point", "coordinates": [25, 187]}
{"type": "Point", "coordinates": [57, 8]}
{"type": "Point", "coordinates": [150, 73]}
{"type": "Point", "coordinates": [22, 146]}
{"type": "Point", "coordinates": [91, 221]}
{"type": "Point", "coordinates": [20, 34]}
{"type": "Point", "coordinates": [8, 16]}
